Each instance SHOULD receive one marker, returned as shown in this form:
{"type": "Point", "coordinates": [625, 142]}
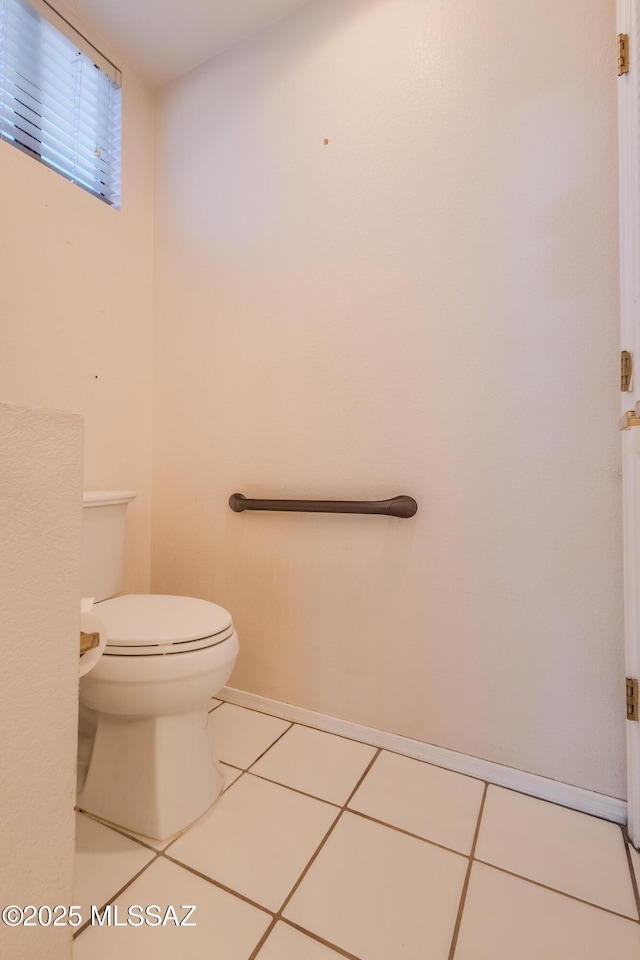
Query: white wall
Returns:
{"type": "Point", "coordinates": [77, 307]}
{"type": "Point", "coordinates": [41, 481]}
{"type": "Point", "coordinates": [76, 335]}
{"type": "Point", "coordinates": [427, 305]}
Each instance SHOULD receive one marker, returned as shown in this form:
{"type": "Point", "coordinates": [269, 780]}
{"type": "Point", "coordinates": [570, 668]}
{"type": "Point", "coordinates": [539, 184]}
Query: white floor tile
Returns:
{"type": "Point", "coordinates": [256, 839]}
{"type": "Point", "coordinates": [104, 862]}
{"type": "Point", "coordinates": [506, 918]}
{"type": "Point", "coordinates": [213, 703]}
{"type": "Point", "coordinates": [563, 849]}
{"type": "Point", "coordinates": [380, 894]}
{"type": "Point", "coordinates": [226, 926]}
{"type": "Point", "coordinates": [433, 803]}
{"type": "Point", "coordinates": [239, 736]}
{"type": "Point", "coordinates": [318, 763]}
{"type": "Point", "coordinates": [285, 943]}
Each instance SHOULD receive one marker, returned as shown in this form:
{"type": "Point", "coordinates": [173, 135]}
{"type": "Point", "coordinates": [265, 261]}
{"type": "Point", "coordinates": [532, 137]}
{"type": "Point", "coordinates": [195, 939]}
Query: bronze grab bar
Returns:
{"type": "Point", "coordinates": [396, 507]}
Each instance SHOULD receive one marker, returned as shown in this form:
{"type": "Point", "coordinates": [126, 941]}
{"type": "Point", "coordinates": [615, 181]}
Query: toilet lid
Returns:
{"type": "Point", "coordinates": [144, 620]}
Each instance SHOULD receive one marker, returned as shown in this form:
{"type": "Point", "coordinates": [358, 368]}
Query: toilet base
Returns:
{"type": "Point", "coordinates": [151, 775]}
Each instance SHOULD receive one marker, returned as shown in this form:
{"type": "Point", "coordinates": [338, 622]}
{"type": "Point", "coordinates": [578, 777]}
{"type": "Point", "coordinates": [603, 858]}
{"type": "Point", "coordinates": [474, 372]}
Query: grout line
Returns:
{"type": "Point", "coordinates": [407, 833]}
{"type": "Point", "coordinates": [362, 776]}
{"type": "Point", "coordinates": [262, 713]}
{"type": "Point", "coordinates": [223, 791]}
{"type": "Point", "coordinates": [269, 747]}
{"type": "Point", "coordinates": [553, 803]}
{"type": "Point", "coordinates": [296, 885]}
{"type": "Point", "coordinates": [277, 916]}
{"type": "Point", "coordinates": [430, 763]}
{"type": "Point", "coordinates": [310, 863]}
{"type": "Point", "coordinates": [123, 833]}
{"type": "Point", "coordinates": [391, 826]}
{"type": "Point", "coordinates": [253, 903]}
{"type": "Point", "coordinates": [465, 885]}
{"type": "Point", "coordinates": [340, 736]}
{"type": "Point", "coordinates": [364, 816]}
{"type": "Point", "coordinates": [216, 706]}
{"type": "Point", "coordinates": [358, 813]}
{"type": "Point", "coordinates": [327, 834]}
{"type": "Point", "coordinates": [325, 943]}
{"type": "Point", "coordinates": [117, 894]}
{"type": "Point", "coordinates": [286, 786]}
{"type": "Point", "coordinates": [562, 893]}
{"type": "Point", "coordinates": [263, 939]}
{"type": "Point", "coordinates": [634, 880]}
{"type": "Point", "coordinates": [216, 883]}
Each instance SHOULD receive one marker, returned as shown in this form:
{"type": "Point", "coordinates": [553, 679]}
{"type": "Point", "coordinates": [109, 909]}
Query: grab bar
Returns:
{"type": "Point", "coordinates": [404, 507]}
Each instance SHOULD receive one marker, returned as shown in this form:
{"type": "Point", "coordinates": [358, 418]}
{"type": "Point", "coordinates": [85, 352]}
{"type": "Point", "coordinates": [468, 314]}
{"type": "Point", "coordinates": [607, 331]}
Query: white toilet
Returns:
{"type": "Point", "coordinates": [150, 764]}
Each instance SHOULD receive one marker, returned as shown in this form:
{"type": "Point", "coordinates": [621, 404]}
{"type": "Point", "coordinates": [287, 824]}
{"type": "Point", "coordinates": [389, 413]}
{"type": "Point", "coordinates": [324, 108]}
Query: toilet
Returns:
{"type": "Point", "coordinates": [150, 767]}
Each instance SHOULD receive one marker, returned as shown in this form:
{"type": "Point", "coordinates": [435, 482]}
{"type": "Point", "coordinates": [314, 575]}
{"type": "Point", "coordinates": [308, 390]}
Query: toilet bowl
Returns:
{"type": "Point", "coordinates": [152, 768]}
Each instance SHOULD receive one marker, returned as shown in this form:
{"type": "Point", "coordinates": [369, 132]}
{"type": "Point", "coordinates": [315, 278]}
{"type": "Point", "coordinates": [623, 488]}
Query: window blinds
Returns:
{"type": "Point", "coordinates": [56, 104]}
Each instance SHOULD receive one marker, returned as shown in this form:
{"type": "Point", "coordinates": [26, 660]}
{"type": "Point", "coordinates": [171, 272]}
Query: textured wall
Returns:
{"type": "Point", "coordinates": [76, 308]}
{"type": "Point", "coordinates": [427, 304]}
{"type": "Point", "coordinates": [41, 482]}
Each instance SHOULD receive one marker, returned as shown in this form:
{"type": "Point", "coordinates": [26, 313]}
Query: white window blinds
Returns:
{"type": "Point", "coordinates": [56, 104]}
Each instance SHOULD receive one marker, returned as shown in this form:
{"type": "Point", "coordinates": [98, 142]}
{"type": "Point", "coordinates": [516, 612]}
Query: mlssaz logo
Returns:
{"type": "Point", "coordinates": [137, 916]}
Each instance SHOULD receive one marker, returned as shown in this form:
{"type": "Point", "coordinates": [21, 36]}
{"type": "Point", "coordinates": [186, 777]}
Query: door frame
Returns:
{"type": "Point", "coordinates": [628, 22]}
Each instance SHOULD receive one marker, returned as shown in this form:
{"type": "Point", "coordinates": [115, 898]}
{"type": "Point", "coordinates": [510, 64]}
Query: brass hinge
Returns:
{"type": "Point", "coordinates": [632, 699]}
{"type": "Point", "coordinates": [626, 369]}
{"type": "Point", "coordinates": [623, 53]}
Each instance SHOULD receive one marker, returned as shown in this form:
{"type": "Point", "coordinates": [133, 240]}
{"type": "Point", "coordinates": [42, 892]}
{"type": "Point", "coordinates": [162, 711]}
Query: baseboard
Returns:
{"type": "Point", "coordinates": [586, 801]}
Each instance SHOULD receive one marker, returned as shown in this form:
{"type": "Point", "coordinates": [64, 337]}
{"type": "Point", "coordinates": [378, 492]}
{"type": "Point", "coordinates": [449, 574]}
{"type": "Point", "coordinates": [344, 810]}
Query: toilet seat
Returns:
{"type": "Point", "coordinates": [158, 625]}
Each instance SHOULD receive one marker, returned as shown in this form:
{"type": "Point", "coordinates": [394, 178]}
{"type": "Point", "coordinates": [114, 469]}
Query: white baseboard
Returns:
{"type": "Point", "coordinates": [586, 801]}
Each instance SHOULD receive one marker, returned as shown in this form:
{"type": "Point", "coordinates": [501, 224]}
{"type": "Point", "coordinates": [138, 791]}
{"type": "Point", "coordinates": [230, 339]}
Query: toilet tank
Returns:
{"type": "Point", "coordinates": [103, 529]}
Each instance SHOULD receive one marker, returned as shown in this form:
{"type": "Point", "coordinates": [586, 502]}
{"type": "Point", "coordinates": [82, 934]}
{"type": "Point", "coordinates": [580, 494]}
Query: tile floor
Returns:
{"type": "Point", "coordinates": [322, 848]}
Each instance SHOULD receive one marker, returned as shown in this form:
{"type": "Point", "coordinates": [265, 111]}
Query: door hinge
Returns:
{"type": "Point", "coordinates": [632, 699]}
{"type": "Point", "coordinates": [623, 53]}
{"type": "Point", "coordinates": [626, 369]}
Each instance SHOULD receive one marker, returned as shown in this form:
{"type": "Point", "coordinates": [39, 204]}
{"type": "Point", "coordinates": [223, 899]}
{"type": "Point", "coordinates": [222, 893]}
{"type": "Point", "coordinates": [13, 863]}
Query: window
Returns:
{"type": "Point", "coordinates": [56, 103]}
